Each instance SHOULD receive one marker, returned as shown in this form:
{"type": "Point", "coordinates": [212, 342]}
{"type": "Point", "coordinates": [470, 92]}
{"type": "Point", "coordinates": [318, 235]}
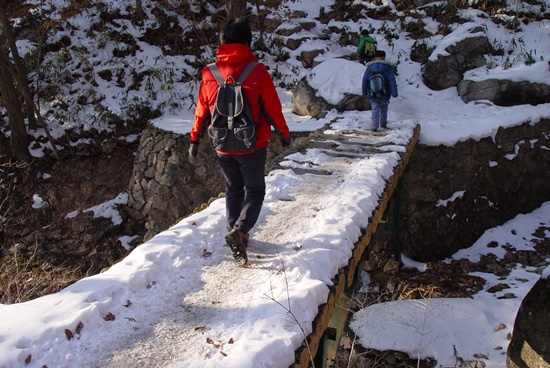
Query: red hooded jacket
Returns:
{"type": "Point", "coordinates": [232, 59]}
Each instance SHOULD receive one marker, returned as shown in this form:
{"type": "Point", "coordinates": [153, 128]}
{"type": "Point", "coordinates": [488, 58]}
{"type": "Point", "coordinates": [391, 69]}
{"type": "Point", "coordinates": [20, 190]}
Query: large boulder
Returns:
{"type": "Point", "coordinates": [322, 89]}
{"type": "Point", "coordinates": [503, 89]}
{"type": "Point", "coordinates": [305, 100]}
{"type": "Point", "coordinates": [530, 344]}
{"type": "Point", "coordinates": [504, 92]}
{"type": "Point", "coordinates": [458, 52]}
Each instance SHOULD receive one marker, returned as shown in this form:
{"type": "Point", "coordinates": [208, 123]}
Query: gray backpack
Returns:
{"type": "Point", "coordinates": [232, 128]}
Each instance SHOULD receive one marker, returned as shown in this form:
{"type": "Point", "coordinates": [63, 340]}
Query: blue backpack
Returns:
{"type": "Point", "coordinates": [377, 85]}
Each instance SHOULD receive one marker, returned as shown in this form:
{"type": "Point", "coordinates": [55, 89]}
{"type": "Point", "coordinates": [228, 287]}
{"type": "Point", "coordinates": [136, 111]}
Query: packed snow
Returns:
{"type": "Point", "coordinates": [179, 300]}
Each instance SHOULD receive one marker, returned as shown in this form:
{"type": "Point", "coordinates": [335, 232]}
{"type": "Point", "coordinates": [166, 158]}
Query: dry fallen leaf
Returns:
{"type": "Point", "coordinates": [109, 317]}
{"type": "Point", "coordinates": [211, 342]}
{"type": "Point", "coordinates": [69, 334]}
{"type": "Point", "coordinates": [231, 341]}
{"type": "Point", "coordinates": [128, 303]}
{"type": "Point", "coordinates": [28, 359]}
{"type": "Point", "coordinates": [206, 254]}
{"type": "Point", "coordinates": [222, 353]}
{"type": "Point", "coordinates": [198, 328]}
{"type": "Point", "coordinates": [79, 328]}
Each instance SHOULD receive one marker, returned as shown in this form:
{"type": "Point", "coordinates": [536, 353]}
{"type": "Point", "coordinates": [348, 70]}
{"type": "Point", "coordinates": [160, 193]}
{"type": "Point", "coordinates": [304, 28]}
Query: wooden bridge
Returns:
{"type": "Point", "coordinates": [323, 342]}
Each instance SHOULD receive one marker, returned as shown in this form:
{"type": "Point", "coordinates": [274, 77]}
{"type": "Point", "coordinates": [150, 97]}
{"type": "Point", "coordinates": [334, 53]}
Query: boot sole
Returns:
{"type": "Point", "coordinates": [237, 248]}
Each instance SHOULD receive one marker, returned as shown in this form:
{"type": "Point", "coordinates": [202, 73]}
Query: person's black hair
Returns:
{"type": "Point", "coordinates": [236, 31]}
{"type": "Point", "coordinates": [364, 32]}
{"type": "Point", "coordinates": [380, 53]}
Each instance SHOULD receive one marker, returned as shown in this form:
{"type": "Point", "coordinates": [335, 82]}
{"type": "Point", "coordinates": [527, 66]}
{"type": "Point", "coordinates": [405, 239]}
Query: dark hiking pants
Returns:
{"type": "Point", "coordinates": [244, 188]}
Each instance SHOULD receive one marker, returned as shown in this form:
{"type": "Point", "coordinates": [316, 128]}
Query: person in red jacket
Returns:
{"type": "Point", "coordinates": [243, 171]}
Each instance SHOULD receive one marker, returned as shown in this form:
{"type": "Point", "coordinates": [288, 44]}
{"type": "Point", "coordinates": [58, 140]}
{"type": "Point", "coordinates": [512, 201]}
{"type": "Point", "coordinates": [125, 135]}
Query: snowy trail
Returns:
{"type": "Point", "coordinates": [187, 304]}
{"type": "Point", "coordinates": [206, 322]}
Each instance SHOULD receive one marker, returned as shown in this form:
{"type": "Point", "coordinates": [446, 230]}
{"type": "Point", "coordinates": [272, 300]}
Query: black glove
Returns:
{"type": "Point", "coordinates": [193, 150]}
{"type": "Point", "coordinates": [285, 142]}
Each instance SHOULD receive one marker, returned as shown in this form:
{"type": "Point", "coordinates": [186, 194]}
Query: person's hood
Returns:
{"type": "Point", "coordinates": [234, 53]}
{"type": "Point", "coordinates": [378, 65]}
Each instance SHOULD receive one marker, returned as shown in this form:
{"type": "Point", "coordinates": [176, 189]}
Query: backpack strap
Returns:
{"type": "Point", "coordinates": [246, 71]}
{"type": "Point", "coordinates": [216, 73]}
{"type": "Point", "coordinates": [220, 79]}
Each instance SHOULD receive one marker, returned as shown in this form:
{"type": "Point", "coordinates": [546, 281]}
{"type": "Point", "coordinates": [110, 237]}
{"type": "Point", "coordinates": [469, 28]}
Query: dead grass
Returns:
{"type": "Point", "coordinates": [23, 279]}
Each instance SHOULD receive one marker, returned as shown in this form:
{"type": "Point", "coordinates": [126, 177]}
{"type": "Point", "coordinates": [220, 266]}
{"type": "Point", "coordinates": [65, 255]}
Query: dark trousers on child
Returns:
{"type": "Point", "coordinates": [244, 188]}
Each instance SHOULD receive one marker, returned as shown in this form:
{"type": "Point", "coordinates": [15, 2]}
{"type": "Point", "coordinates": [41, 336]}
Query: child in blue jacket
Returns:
{"type": "Point", "coordinates": [379, 106]}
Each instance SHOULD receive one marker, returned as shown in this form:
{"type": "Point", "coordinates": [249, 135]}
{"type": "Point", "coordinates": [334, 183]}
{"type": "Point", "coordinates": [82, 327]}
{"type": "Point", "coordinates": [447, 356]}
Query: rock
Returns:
{"type": "Point", "coordinates": [307, 57]}
{"type": "Point", "coordinates": [530, 344]}
{"type": "Point", "coordinates": [447, 69]}
{"type": "Point", "coordinates": [294, 43]}
{"type": "Point", "coordinates": [307, 25]}
{"type": "Point", "coordinates": [354, 102]}
{"type": "Point", "coordinates": [306, 102]}
{"type": "Point", "coordinates": [270, 24]}
{"type": "Point", "coordinates": [504, 92]}
{"type": "Point", "coordinates": [288, 31]}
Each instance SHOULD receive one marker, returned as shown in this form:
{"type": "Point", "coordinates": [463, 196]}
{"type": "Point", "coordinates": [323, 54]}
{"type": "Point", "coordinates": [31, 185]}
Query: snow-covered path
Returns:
{"type": "Point", "coordinates": [213, 322]}
{"type": "Point", "coordinates": [180, 300]}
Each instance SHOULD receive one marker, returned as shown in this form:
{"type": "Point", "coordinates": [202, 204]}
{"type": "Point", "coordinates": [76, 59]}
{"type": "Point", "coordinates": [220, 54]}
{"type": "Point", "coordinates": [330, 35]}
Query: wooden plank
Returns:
{"type": "Point", "coordinates": [337, 322]}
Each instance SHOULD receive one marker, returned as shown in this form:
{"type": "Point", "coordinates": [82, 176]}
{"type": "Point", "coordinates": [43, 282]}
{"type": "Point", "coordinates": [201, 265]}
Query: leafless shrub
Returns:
{"type": "Point", "coordinates": [26, 278]}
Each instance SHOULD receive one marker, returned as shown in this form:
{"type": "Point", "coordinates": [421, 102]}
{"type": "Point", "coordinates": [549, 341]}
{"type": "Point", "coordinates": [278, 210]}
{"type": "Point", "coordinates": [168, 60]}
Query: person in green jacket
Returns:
{"type": "Point", "coordinates": [366, 48]}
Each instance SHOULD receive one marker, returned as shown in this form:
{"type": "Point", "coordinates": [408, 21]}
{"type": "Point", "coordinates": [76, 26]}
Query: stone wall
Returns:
{"type": "Point", "coordinates": [165, 186]}
{"type": "Point", "coordinates": [493, 181]}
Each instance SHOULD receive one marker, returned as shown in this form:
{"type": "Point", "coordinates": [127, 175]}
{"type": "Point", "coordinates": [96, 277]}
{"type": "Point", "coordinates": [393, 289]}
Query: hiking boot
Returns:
{"type": "Point", "coordinates": [234, 240]}
{"type": "Point", "coordinates": [373, 129]}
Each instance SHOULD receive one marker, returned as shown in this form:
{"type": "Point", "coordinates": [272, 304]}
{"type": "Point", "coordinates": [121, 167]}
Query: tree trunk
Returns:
{"type": "Point", "coordinates": [260, 44]}
{"type": "Point", "coordinates": [19, 76]}
{"type": "Point", "coordinates": [21, 69]}
{"type": "Point", "coordinates": [19, 141]}
{"type": "Point", "coordinates": [235, 8]}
